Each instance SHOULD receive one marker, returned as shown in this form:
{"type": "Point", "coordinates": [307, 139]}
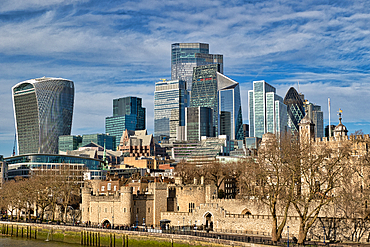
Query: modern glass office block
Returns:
{"type": "Point", "coordinates": [170, 100]}
{"type": "Point", "coordinates": [100, 139]}
{"type": "Point", "coordinates": [198, 123]}
{"type": "Point", "coordinates": [229, 101]}
{"type": "Point", "coordinates": [69, 142]}
{"type": "Point", "coordinates": [129, 106]}
{"type": "Point", "coordinates": [43, 110]}
{"type": "Point", "coordinates": [128, 113]}
{"type": "Point", "coordinates": [317, 116]}
{"type": "Point", "coordinates": [295, 109]}
{"type": "Point", "coordinates": [205, 91]}
{"type": "Point", "coordinates": [266, 110]}
{"type": "Point", "coordinates": [186, 56]}
{"type": "Point", "coordinates": [115, 126]}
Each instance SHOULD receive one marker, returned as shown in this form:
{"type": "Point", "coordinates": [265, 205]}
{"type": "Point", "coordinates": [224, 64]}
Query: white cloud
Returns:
{"type": "Point", "coordinates": [107, 47]}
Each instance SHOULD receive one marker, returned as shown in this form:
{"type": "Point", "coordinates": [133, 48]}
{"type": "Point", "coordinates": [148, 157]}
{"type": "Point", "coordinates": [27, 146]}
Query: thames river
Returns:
{"type": "Point", "coordinates": [12, 242]}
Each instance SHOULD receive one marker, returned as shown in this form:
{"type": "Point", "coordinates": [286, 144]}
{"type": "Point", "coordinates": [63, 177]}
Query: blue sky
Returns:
{"type": "Point", "coordinates": [112, 49]}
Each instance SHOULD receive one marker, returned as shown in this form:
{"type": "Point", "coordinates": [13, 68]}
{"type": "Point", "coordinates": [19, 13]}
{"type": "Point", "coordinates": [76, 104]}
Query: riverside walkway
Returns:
{"type": "Point", "coordinates": [172, 234]}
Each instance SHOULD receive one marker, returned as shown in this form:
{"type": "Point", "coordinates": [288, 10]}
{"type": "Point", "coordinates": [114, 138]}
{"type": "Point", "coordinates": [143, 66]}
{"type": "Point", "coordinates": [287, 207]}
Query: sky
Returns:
{"type": "Point", "coordinates": [113, 49]}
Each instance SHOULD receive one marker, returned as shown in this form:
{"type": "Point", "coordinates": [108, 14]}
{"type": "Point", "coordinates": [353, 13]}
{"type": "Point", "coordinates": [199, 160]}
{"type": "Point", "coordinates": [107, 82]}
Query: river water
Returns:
{"type": "Point", "coordinates": [12, 242]}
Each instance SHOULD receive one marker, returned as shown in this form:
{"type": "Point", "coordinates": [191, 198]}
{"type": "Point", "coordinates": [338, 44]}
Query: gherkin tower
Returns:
{"type": "Point", "coordinates": [43, 110]}
{"type": "Point", "coordinates": [295, 109]}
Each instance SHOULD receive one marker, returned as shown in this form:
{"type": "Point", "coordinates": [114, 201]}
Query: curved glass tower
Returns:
{"type": "Point", "coordinates": [43, 110]}
{"type": "Point", "coordinates": [295, 109]}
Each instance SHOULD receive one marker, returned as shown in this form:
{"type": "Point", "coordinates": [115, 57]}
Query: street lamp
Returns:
{"type": "Point", "coordinates": [288, 236]}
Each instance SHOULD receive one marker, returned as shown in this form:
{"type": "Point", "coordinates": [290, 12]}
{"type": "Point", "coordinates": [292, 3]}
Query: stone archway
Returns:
{"type": "Point", "coordinates": [106, 223]}
{"type": "Point", "coordinates": [208, 220]}
{"type": "Point", "coordinates": [246, 211]}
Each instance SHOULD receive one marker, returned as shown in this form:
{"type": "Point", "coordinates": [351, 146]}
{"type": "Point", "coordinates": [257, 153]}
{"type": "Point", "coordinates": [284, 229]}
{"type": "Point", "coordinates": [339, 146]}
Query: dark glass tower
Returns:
{"type": "Point", "coordinates": [186, 56]}
{"type": "Point", "coordinates": [295, 109]}
{"type": "Point", "coordinates": [43, 110]}
{"type": "Point", "coordinates": [205, 91]}
{"type": "Point", "coordinates": [128, 113]}
{"type": "Point", "coordinates": [130, 106]}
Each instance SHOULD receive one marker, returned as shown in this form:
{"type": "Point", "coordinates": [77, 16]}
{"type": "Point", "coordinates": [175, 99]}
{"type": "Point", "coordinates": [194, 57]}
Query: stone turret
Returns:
{"type": "Point", "coordinates": [306, 129]}
{"type": "Point", "coordinates": [340, 130]}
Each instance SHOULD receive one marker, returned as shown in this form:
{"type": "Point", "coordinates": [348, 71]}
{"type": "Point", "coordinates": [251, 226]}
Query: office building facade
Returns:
{"type": "Point", "coordinates": [267, 112]}
{"type": "Point", "coordinates": [186, 56]}
{"type": "Point", "coordinates": [230, 108]}
{"type": "Point", "coordinates": [43, 110]}
{"type": "Point", "coordinates": [69, 142]}
{"type": "Point", "coordinates": [314, 112]}
{"type": "Point", "coordinates": [128, 113]}
{"type": "Point", "coordinates": [222, 94]}
{"type": "Point", "coordinates": [198, 123]}
{"type": "Point", "coordinates": [170, 100]}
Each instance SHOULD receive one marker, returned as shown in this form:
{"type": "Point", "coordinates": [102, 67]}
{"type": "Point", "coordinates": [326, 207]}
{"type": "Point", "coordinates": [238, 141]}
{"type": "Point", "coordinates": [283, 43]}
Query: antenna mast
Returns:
{"type": "Point", "coordinates": [329, 117]}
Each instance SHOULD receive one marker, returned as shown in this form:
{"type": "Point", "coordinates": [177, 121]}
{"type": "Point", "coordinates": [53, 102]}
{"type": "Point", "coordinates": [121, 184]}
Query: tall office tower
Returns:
{"type": "Point", "coordinates": [267, 112]}
{"type": "Point", "coordinates": [198, 123]}
{"type": "Point", "coordinates": [170, 100]}
{"type": "Point", "coordinates": [295, 109]}
{"type": "Point", "coordinates": [186, 56]}
{"type": "Point", "coordinates": [43, 110]}
{"type": "Point", "coordinates": [214, 90]}
{"type": "Point", "coordinates": [230, 108]}
{"type": "Point", "coordinates": [128, 113]}
{"type": "Point", "coordinates": [314, 112]}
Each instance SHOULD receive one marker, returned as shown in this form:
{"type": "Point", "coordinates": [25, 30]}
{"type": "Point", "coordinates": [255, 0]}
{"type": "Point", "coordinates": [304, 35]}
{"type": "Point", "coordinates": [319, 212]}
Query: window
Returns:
{"type": "Point", "coordinates": [102, 188]}
{"type": "Point", "coordinates": [148, 210]}
{"type": "Point", "coordinates": [105, 210]}
{"type": "Point", "coordinates": [124, 210]}
{"type": "Point", "coordinates": [191, 207]}
{"type": "Point", "coordinates": [137, 210]}
{"type": "Point", "coordinates": [115, 188]}
{"type": "Point", "coordinates": [109, 187]}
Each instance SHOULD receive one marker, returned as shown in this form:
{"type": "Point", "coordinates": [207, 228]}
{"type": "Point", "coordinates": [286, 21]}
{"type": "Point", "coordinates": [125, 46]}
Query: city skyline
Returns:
{"type": "Point", "coordinates": [122, 48]}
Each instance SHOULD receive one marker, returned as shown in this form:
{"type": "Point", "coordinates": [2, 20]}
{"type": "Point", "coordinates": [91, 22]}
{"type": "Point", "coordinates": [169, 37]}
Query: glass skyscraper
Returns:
{"type": "Point", "coordinates": [205, 91]}
{"type": "Point", "coordinates": [267, 112]}
{"type": "Point", "coordinates": [128, 113]}
{"type": "Point", "coordinates": [170, 100]}
{"type": "Point", "coordinates": [198, 123]}
{"type": "Point", "coordinates": [230, 108]}
{"type": "Point", "coordinates": [222, 94]}
{"type": "Point", "coordinates": [314, 112]}
{"type": "Point", "coordinates": [43, 110]}
{"type": "Point", "coordinates": [295, 109]}
{"type": "Point", "coordinates": [186, 56]}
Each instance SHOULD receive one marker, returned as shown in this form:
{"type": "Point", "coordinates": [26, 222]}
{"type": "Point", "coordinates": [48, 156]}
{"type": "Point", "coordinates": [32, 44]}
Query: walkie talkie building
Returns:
{"type": "Point", "coordinates": [43, 110]}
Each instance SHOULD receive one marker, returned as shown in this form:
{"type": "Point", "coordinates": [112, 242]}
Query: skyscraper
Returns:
{"type": "Point", "coordinates": [128, 113]}
{"type": "Point", "coordinates": [198, 123]}
{"type": "Point", "coordinates": [170, 100]}
{"type": "Point", "coordinates": [314, 112]}
{"type": "Point", "coordinates": [295, 109]}
{"type": "Point", "coordinates": [186, 56]}
{"type": "Point", "coordinates": [230, 105]}
{"type": "Point", "coordinates": [43, 110]}
{"type": "Point", "coordinates": [267, 112]}
{"type": "Point", "coordinates": [220, 93]}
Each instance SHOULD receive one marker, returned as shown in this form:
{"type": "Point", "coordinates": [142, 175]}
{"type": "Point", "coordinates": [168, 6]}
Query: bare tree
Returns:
{"type": "Point", "coordinates": [271, 178]}
{"type": "Point", "coordinates": [321, 171]}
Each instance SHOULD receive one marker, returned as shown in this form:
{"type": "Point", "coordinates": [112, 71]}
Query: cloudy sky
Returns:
{"type": "Point", "coordinates": [112, 49]}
